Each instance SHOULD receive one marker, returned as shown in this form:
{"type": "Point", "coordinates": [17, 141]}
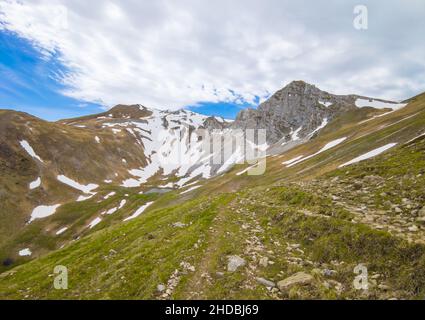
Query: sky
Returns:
{"type": "Point", "coordinates": [67, 58]}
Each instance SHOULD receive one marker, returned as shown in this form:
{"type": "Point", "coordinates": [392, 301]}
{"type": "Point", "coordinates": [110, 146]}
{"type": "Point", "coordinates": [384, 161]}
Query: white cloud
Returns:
{"type": "Point", "coordinates": [170, 54]}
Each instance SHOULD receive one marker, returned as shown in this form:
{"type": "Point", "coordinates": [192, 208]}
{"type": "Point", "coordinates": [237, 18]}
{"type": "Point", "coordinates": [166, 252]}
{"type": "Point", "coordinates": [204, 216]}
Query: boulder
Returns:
{"type": "Point", "coordinates": [234, 263]}
{"type": "Point", "coordinates": [300, 278]}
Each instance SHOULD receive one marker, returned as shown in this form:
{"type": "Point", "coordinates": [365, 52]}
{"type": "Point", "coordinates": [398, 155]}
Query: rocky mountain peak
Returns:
{"type": "Point", "coordinates": [299, 106]}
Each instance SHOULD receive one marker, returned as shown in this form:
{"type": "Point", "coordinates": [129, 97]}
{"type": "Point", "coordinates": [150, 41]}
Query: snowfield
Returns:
{"type": "Point", "coordinates": [369, 155]}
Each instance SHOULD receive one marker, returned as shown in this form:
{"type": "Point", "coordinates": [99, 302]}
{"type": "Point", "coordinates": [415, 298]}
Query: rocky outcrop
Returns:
{"type": "Point", "coordinates": [298, 106]}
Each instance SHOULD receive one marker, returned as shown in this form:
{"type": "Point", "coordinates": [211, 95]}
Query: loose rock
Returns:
{"type": "Point", "coordinates": [265, 282]}
{"type": "Point", "coordinates": [234, 263]}
{"type": "Point", "coordinates": [299, 278]}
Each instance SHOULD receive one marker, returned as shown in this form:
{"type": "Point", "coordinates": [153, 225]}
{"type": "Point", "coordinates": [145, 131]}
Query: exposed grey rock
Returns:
{"type": "Point", "coordinates": [265, 282]}
{"type": "Point", "coordinates": [161, 288]}
{"type": "Point", "coordinates": [179, 225]}
{"type": "Point", "coordinates": [328, 272]}
{"type": "Point", "coordinates": [264, 262]}
{"type": "Point", "coordinates": [298, 105]}
{"type": "Point", "coordinates": [212, 123]}
{"type": "Point", "coordinates": [234, 263]}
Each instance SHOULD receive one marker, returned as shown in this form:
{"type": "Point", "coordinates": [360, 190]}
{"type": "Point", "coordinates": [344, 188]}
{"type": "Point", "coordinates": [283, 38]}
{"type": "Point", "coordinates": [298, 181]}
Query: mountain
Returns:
{"type": "Point", "coordinates": [344, 185]}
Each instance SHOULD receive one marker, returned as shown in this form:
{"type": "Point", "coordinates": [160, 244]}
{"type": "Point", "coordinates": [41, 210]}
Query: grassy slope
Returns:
{"type": "Point", "coordinates": [56, 144]}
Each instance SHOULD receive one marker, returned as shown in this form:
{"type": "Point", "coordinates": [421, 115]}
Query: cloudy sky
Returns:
{"type": "Point", "coordinates": [63, 58]}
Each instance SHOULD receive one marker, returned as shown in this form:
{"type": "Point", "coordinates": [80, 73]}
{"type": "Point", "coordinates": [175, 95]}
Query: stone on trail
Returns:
{"type": "Point", "coordinates": [265, 282]}
{"type": "Point", "coordinates": [300, 278]}
{"type": "Point", "coordinates": [234, 263]}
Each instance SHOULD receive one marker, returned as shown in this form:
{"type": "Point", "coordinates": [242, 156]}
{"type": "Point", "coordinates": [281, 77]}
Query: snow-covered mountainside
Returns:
{"type": "Point", "coordinates": [174, 143]}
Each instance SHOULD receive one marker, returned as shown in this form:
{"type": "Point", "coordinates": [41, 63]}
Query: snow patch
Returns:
{"type": "Point", "coordinates": [370, 154]}
{"type": "Point", "coordinates": [419, 136]}
{"type": "Point", "coordinates": [328, 146]}
{"type": "Point", "coordinates": [73, 184]}
{"type": "Point", "coordinates": [59, 232]}
{"type": "Point", "coordinates": [111, 194]}
{"type": "Point", "coordinates": [94, 223]}
{"type": "Point", "coordinates": [122, 204]}
{"type": "Point", "coordinates": [292, 160]}
{"type": "Point", "coordinates": [84, 198]}
{"type": "Point", "coordinates": [322, 125]}
{"type": "Point", "coordinates": [139, 211]}
{"type": "Point", "coordinates": [25, 252]}
{"type": "Point", "coordinates": [375, 117]}
{"type": "Point", "coordinates": [190, 189]}
{"type": "Point", "coordinates": [30, 150]}
{"type": "Point", "coordinates": [43, 212]}
{"type": "Point", "coordinates": [131, 183]}
{"type": "Point", "coordinates": [326, 104]}
{"type": "Point", "coordinates": [35, 184]}
{"type": "Point", "coordinates": [111, 211]}
{"type": "Point", "coordinates": [360, 103]}
{"type": "Point", "coordinates": [294, 134]}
